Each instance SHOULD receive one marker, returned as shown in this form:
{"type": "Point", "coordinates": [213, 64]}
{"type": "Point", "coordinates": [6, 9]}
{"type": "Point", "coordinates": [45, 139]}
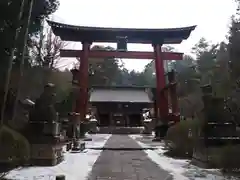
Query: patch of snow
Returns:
{"type": "Point", "coordinates": [180, 169]}
{"type": "Point", "coordinates": [75, 165]}
{"type": "Point", "coordinates": [135, 136]}
{"type": "Point", "coordinates": [147, 120]}
{"type": "Point", "coordinates": [165, 164]}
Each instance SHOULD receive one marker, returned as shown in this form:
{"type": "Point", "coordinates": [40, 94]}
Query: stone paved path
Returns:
{"type": "Point", "coordinates": [126, 164]}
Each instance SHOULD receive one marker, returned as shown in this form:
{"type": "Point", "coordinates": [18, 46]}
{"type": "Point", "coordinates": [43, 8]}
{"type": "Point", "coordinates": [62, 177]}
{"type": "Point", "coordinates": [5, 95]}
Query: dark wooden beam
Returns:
{"type": "Point", "coordinates": [117, 54]}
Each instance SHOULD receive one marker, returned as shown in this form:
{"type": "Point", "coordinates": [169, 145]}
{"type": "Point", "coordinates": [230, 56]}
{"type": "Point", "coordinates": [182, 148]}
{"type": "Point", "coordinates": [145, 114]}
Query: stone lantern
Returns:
{"type": "Point", "coordinates": [75, 73]}
{"type": "Point", "coordinates": [75, 122]}
{"type": "Point", "coordinates": [147, 126]}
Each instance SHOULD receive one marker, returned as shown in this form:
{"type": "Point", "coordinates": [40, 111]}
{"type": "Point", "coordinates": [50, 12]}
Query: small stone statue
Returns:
{"type": "Point", "coordinates": [44, 110]}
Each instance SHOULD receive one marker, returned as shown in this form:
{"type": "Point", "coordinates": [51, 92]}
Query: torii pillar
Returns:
{"type": "Point", "coordinates": [173, 96]}
{"type": "Point", "coordinates": [162, 100]}
{"type": "Point", "coordinates": [82, 100]}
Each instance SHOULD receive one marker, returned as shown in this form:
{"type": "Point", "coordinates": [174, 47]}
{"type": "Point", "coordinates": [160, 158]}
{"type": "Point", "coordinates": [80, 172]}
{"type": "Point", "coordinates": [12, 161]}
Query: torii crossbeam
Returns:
{"type": "Point", "coordinates": [122, 36]}
{"type": "Point", "coordinates": [117, 54]}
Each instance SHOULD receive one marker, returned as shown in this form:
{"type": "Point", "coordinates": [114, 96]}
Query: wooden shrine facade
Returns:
{"type": "Point", "coordinates": [120, 106]}
{"type": "Point", "coordinates": [122, 36]}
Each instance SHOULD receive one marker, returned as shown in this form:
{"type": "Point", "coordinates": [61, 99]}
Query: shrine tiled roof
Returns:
{"type": "Point", "coordinates": [133, 95]}
{"type": "Point", "coordinates": [101, 34]}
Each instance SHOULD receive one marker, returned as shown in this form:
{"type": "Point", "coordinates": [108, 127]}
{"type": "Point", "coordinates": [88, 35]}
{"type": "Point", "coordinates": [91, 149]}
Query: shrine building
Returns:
{"type": "Point", "coordinates": [120, 106]}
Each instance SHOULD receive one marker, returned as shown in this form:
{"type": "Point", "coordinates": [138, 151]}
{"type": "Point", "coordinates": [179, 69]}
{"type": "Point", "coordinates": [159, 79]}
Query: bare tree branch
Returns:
{"type": "Point", "coordinates": [46, 50]}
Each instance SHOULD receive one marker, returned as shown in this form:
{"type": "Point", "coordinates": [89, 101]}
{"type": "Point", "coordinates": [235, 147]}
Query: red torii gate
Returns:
{"type": "Point", "coordinates": [122, 36]}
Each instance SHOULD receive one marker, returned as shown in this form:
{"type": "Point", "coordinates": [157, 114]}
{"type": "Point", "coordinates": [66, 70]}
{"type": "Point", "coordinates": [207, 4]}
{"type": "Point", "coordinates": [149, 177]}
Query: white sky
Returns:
{"type": "Point", "coordinates": [212, 18]}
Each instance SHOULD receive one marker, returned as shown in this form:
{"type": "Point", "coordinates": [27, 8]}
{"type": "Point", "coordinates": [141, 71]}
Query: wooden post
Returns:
{"type": "Point", "coordinates": [162, 101]}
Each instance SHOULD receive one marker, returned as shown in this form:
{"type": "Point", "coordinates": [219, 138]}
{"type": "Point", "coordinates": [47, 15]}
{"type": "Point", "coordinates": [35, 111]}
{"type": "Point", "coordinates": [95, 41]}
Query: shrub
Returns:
{"type": "Point", "coordinates": [227, 158]}
{"type": "Point", "coordinates": [15, 148]}
{"type": "Point", "coordinates": [180, 145]}
{"type": "Point", "coordinates": [178, 141]}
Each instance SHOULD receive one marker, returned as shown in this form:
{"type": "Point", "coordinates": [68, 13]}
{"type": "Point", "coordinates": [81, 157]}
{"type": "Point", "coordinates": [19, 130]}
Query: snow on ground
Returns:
{"type": "Point", "coordinates": [180, 169]}
{"type": "Point", "coordinates": [75, 166]}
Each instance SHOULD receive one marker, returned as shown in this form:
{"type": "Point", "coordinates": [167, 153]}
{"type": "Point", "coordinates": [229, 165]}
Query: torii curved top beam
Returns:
{"type": "Point", "coordinates": [100, 34]}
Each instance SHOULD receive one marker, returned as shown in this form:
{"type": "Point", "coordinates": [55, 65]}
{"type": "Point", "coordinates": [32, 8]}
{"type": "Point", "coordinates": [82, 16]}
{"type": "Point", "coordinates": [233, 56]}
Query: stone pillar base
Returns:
{"type": "Point", "coordinates": [46, 154]}
{"type": "Point", "coordinates": [161, 131]}
{"type": "Point", "coordinates": [78, 146]}
{"type": "Point", "coordinates": [82, 130]}
{"type": "Point", "coordinates": [200, 157]}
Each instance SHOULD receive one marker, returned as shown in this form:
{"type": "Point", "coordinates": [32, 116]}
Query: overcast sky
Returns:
{"type": "Point", "coordinates": [212, 18]}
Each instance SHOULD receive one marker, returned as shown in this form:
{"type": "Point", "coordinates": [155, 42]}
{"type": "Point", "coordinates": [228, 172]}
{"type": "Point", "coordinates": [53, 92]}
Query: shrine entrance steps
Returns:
{"type": "Point", "coordinates": [126, 164]}
{"type": "Point", "coordinates": [120, 130]}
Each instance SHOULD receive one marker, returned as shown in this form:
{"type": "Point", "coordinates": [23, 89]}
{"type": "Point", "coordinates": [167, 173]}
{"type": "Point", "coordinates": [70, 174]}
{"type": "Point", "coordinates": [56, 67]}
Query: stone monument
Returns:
{"type": "Point", "coordinates": [216, 128]}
